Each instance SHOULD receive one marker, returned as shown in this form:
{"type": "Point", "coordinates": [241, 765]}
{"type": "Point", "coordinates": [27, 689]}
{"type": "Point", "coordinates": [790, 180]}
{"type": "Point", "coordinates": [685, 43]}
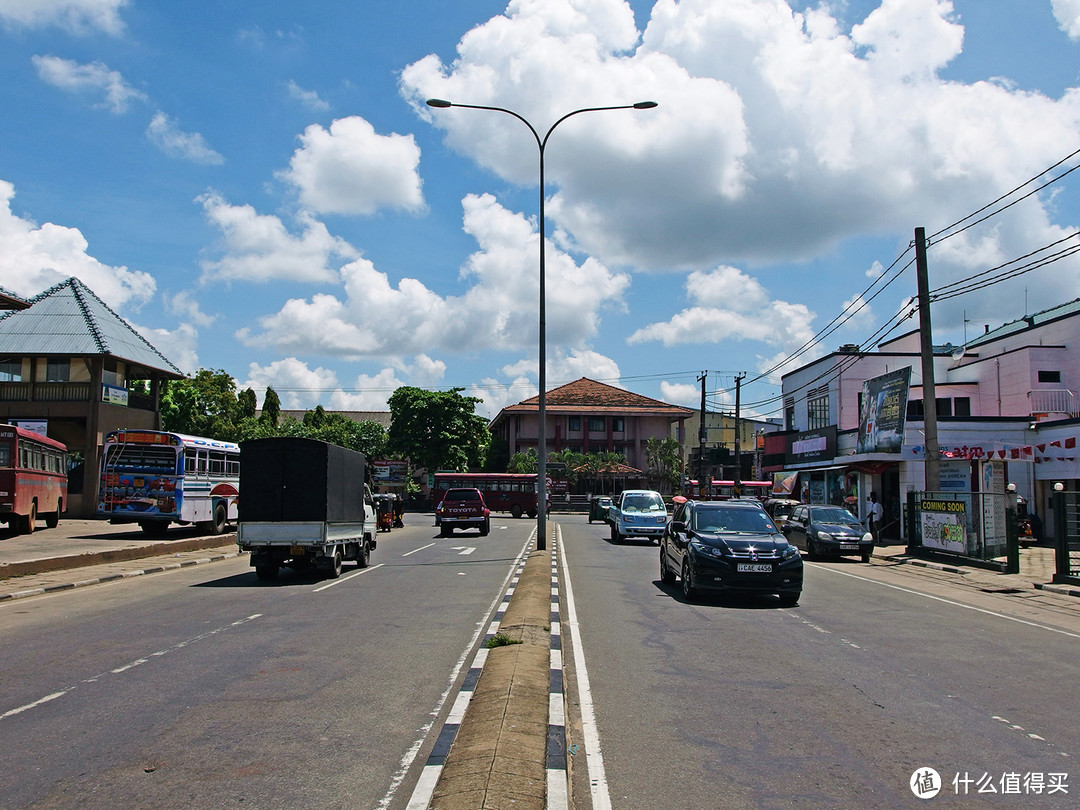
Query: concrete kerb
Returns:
{"type": "Point", "coordinates": [44, 565]}
{"type": "Point", "coordinates": [498, 757]}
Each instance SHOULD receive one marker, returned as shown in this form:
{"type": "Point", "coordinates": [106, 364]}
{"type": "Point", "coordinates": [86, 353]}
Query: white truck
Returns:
{"type": "Point", "coordinates": [638, 513]}
{"type": "Point", "coordinates": [305, 505]}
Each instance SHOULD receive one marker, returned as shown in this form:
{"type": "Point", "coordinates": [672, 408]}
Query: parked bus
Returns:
{"type": "Point", "coordinates": [723, 490]}
{"type": "Point", "coordinates": [503, 492]}
{"type": "Point", "coordinates": [33, 478]}
{"type": "Point", "coordinates": [155, 478]}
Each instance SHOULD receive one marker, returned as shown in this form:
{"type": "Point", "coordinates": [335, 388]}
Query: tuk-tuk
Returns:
{"type": "Point", "coordinates": [384, 509]}
{"type": "Point", "coordinates": [599, 505]}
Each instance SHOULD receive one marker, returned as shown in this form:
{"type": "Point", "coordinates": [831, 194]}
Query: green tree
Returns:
{"type": "Point", "coordinates": [437, 430]}
{"type": "Point", "coordinates": [203, 405]}
{"type": "Point", "coordinates": [246, 404]}
{"type": "Point", "coordinates": [527, 462]}
{"type": "Point", "coordinates": [271, 409]}
{"type": "Point", "coordinates": [664, 457]}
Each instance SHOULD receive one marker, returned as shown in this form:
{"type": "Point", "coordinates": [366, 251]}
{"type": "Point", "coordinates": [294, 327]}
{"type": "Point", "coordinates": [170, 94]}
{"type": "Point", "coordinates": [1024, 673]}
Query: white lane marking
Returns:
{"type": "Point", "coordinates": [37, 702]}
{"type": "Point", "coordinates": [428, 777]}
{"type": "Point", "coordinates": [951, 602]}
{"type": "Point", "coordinates": [130, 665]}
{"type": "Point", "coordinates": [463, 550]}
{"type": "Point", "coordinates": [407, 553]}
{"type": "Point", "coordinates": [594, 759]}
{"type": "Point", "coordinates": [353, 575]}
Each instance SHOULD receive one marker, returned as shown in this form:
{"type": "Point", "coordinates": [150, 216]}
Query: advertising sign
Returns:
{"type": "Point", "coordinates": [811, 446]}
{"type": "Point", "coordinates": [884, 408]}
{"type": "Point", "coordinates": [389, 472]}
{"type": "Point", "coordinates": [114, 395]}
{"type": "Point", "coordinates": [943, 525]}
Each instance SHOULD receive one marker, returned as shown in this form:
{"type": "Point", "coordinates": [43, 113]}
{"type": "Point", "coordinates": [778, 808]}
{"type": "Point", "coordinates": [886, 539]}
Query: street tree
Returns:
{"type": "Point", "coordinates": [437, 430]}
{"type": "Point", "coordinates": [664, 457]}
{"type": "Point", "coordinates": [203, 405]}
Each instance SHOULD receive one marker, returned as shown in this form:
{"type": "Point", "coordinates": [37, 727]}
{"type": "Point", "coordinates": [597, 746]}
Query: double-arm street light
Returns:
{"type": "Point", "coordinates": [541, 436]}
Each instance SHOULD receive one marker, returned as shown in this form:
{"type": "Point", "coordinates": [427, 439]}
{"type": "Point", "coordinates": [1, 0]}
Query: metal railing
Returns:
{"type": "Point", "coordinates": [1053, 400]}
{"type": "Point", "coordinates": [1067, 536]}
{"type": "Point", "coordinates": [974, 528]}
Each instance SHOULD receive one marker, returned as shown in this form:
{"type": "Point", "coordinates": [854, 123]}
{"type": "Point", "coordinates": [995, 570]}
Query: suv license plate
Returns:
{"type": "Point", "coordinates": [849, 546]}
{"type": "Point", "coordinates": [297, 551]}
{"type": "Point", "coordinates": [754, 568]}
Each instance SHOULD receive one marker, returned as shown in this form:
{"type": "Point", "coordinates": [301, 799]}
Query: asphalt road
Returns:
{"type": "Point", "coordinates": [205, 688]}
{"type": "Point", "coordinates": [835, 703]}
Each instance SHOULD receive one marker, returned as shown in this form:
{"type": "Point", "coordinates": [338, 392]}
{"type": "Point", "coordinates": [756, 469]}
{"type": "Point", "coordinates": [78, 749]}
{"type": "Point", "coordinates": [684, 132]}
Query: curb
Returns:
{"type": "Point", "coordinates": [49, 564]}
{"type": "Point", "coordinates": [503, 743]}
{"type": "Point", "coordinates": [1062, 590]}
{"type": "Point", "coordinates": [153, 569]}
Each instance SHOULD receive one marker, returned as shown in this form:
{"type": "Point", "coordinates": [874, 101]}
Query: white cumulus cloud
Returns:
{"type": "Point", "coordinates": [351, 169]}
{"type": "Point", "coordinates": [174, 142]}
{"type": "Point", "coordinates": [78, 16]}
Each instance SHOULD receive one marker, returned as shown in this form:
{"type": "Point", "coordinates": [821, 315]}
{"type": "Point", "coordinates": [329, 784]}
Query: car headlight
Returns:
{"type": "Point", "coordinates": [824, 536]}
{"type": "Point", "coordinates": [789, 553]}
{"type": "Point", "coordinates": [704, 548]}
{"type": "Point", "coordinates": [868, 538]}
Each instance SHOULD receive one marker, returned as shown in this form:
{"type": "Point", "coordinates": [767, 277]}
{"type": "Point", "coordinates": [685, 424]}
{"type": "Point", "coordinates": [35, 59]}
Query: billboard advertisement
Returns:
{"type": "Point", "coordinates": [882, 413]}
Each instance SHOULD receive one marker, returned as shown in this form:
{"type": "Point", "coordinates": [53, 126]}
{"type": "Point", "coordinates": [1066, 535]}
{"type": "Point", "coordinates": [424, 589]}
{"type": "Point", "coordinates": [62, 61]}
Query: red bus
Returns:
{"type": "Point", "coordinates": [722, 490]}
{"type": "Point", "coordinates": [33, 478]}
{"type": "Point", "coordinates": [503, 492]}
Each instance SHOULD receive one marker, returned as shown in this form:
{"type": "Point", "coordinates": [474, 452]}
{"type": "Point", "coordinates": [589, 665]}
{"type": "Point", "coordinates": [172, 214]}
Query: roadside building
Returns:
{"type": "Point", "coordinates": [586, 416]}
{"type": "Point", "coordinates": [1006, 396]}
{"type": "Point", "coordinates": [73, 369]}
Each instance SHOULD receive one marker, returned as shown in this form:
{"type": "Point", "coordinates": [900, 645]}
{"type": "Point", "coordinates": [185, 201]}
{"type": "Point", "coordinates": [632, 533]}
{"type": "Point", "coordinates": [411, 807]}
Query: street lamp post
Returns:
{"type": "Point", "coordinates": [541, 434]}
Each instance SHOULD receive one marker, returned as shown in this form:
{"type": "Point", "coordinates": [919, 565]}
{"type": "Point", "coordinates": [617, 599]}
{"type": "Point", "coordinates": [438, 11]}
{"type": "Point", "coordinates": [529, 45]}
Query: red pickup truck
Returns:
{"type": "Point", "coordinates": [462, 509]}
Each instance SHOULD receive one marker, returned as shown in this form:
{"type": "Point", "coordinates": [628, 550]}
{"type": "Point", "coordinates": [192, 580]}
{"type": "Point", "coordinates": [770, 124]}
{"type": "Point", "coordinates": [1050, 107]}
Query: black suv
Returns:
{"type": "Point", "coordinates": [729, 546]}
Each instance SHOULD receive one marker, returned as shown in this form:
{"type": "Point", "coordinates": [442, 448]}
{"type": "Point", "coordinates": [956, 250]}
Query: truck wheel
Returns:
{"type": "Point", "coordinates": [445, 531]}
{"type": "Point", "coordinates": [334, 570]}
{"type": "Point", "coordinates": [515, 511]}
{"type": "Point", "coordinates": [363, 554]}
{"type": "Point", "coordinates": [266, 572]}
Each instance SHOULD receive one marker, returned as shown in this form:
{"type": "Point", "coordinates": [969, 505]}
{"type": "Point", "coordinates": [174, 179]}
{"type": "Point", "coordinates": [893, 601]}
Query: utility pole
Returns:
{"type": "Point", "coordinates": [738, 461]}
{"type": "Point", "coordinates": [702, 434]}
{"type": "Point", "coordinates": [926, 350]}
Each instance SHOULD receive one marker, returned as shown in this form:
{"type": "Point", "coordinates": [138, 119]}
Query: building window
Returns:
{"type": "Point", "coordinates": [10, 370]}
{"type": "Point", "coordinates": [789, 413]}
{"type": "Point", "coordinates": [596, 424]}
{"type": "Point", "coordinates": [618, 424]}
{"type": "Point", "coordinates": [817, 409]}
{"type": "Point", "coordinates": [57, 371]}
{"type": "Point", "coordinates": [573, 424]}
{"type": "Point", "coordinates": [962, 406]}
{"type": "Point", "coordinates": [1049, 376]}
{"type": "Point", "coordinates": [598, 448]}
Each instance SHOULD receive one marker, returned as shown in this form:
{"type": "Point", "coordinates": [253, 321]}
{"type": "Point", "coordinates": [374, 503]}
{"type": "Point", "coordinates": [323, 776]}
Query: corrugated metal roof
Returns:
{"type": "Point", "coordinates": [1029, 322]}
{"type": "Point", "coordinates": [69, 319]}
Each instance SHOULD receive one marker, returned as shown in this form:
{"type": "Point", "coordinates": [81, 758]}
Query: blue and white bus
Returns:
{"type": "Point", "coordinates": [155, 478]}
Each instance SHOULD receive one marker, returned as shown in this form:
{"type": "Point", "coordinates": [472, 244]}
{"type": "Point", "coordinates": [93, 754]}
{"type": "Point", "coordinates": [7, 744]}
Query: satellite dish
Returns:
{"type": "Point", "coordinates": [958, 352]}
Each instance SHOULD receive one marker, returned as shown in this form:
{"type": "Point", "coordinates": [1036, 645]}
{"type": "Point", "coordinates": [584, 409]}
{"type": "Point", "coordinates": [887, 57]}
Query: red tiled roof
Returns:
{"type": "Point", "coordinates": [596, 397]}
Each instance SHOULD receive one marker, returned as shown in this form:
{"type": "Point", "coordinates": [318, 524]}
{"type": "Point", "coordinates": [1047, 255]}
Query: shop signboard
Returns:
{"type": "Point", "coordinates": [882, 412]}
{"type": "Point", "coordinates": [811, 446]}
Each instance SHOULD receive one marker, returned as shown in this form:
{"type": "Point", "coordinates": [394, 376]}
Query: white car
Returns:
{"type": "Point", "coordinates": [638, 513]}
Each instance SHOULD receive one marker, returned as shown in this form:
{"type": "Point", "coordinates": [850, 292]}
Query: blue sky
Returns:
{"type": "Point", "coordinates": [259, 188]}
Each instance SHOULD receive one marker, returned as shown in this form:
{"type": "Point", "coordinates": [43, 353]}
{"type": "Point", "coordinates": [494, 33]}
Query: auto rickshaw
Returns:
{"type": "Point", "coordinates": [598, 508]}
{"type": "Point", "coordinates": [384, 509]}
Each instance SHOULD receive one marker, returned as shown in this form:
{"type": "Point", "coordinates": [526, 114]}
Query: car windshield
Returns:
{"type": "Point", "coordinates": [719, 519]}
{"type": "Point", "coordinates": [645, 502]}
{"type": "Point", "coordinates": [782, 509]}
{"type": "Point", "coordinates": [832, 514]}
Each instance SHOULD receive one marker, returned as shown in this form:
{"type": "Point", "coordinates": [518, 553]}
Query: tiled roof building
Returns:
{"type": "Point", "coordinates": [587, 416]}
{"type": "Point", "coordinates": [71, 364]}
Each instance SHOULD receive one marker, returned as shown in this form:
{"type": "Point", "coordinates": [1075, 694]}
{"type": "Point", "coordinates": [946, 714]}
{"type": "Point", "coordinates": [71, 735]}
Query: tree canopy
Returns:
{"type": "Point", "coordinates": [437, 430]}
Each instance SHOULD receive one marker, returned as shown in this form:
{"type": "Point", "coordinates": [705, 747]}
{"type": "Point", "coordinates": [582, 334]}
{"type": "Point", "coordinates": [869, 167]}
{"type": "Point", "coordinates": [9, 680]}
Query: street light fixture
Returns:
{"type": "Point", "coordinates": [541, 434]}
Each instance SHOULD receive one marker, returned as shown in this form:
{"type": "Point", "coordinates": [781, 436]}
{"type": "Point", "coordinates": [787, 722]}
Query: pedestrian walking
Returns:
{"type": "Point", "coordinates": [874, 515]}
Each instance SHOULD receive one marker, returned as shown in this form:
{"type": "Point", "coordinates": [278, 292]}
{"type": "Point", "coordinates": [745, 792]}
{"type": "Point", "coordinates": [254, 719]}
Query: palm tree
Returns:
{"type": "Point", "coordinates": [664, 457]}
